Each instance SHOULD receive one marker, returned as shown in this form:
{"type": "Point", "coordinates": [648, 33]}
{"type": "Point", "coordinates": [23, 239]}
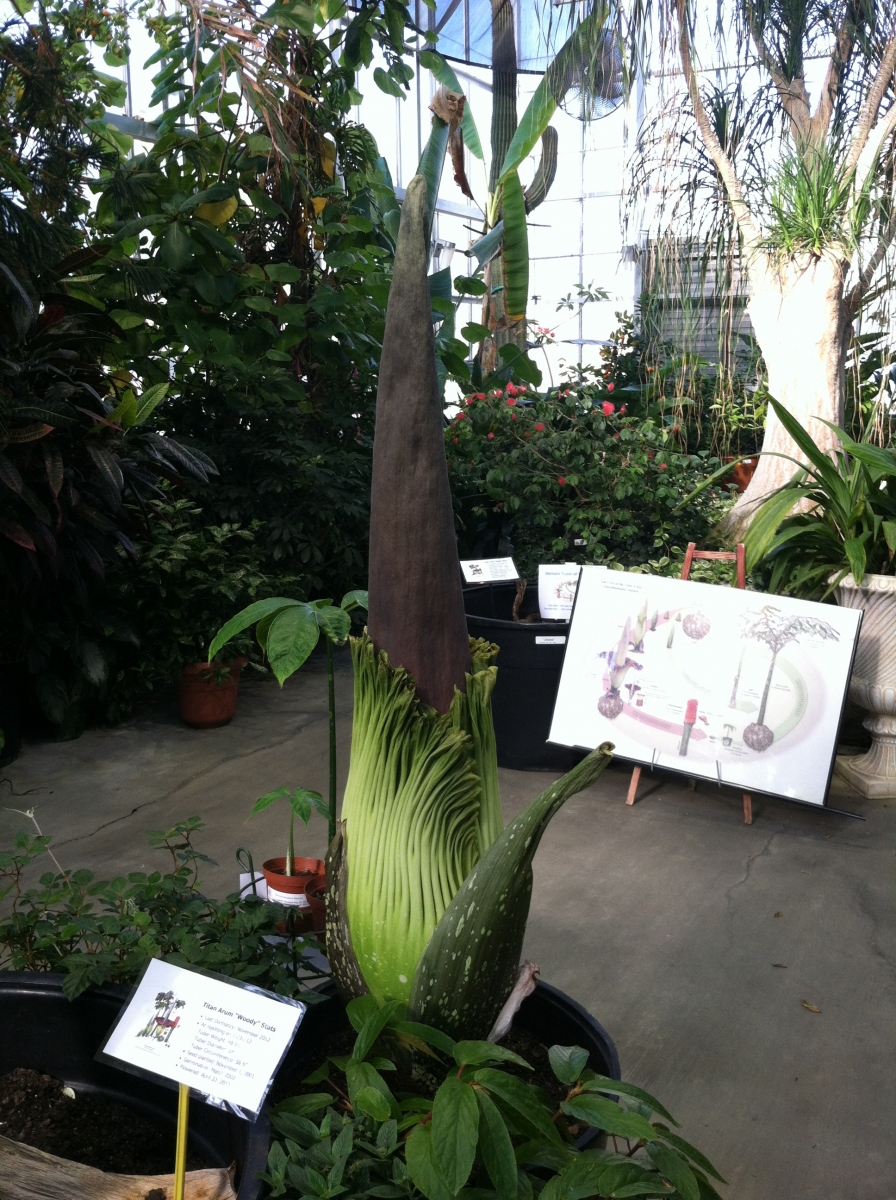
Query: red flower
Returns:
{"type": "Point", "coordinates": [460, 416]}
{"type": "Point", "coordinates": [650, 454]}
{"type": "Point", "coordinates": [491, 437]}
{"type": "Point", "coordinates": [498, 394]}
{"type": "Point", "coordinates": [528, 434]}
{"type": "Point", "coordinates": [499, 504]}
{"type": "Point", "coordinates": [562, 481]}
{"type": "Point", "coordinates": [456, 440]}
{"type": "Point", "coordinates": [540, 427]}
{"type": "Point", "coordinates": [470, 399]}
{"type": "Point", "coordinates": [513, 416]}
{"type": "Point", "coordinates": [611, 387]}
{"type": "Point", "coordinates": [662, 466]}
{"type": "Point", "coordinates": [623, 410]}
{"type": "Point", "coordinates": [511, 389]}
{"type": "Point", "coordinates": [510, 401]}
{"type": "Point", "coordinates": [607, 408]}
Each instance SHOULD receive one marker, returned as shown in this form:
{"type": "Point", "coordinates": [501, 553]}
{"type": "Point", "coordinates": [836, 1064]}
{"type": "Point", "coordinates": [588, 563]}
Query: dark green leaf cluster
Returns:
{"type": "Point", "coordinates": [848, 520]}
{"type": "Point", "coordinates": [483, 1133]}
{"type": "Point", "coordinates": [104, 931]}
{"type": "Point", "coordinates": [572, 476]}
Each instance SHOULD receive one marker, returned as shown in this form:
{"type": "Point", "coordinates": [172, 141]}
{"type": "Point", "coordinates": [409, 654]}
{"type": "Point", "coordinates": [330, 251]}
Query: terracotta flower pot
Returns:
{"type": "Point", "coordinates": [289, 890]}
{"type": "Point", "coordinates": [203, 703]}
{"type": "Point", "coordinates": [316, 892]}
{"type": "Point", "coordinates": [742, 472]}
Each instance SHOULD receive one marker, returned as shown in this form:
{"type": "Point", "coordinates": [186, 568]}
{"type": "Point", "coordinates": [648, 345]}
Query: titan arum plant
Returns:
{"type": "Point", "coordinates": [427, 893]}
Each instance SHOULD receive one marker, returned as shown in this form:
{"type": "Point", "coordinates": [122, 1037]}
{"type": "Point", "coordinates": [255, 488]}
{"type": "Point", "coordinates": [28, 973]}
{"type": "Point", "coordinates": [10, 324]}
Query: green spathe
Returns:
{"type": "Point", "coordinates": [421, 806]}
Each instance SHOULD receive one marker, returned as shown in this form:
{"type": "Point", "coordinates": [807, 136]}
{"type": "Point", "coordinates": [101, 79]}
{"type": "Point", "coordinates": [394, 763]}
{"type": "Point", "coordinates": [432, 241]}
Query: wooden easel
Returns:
{"type": "Point", "coordinates": [736, 556]}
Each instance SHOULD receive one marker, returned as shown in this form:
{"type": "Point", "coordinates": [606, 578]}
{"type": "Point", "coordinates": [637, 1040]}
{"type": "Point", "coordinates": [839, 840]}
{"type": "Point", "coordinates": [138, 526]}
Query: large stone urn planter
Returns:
{"type": "Point", "coordinates": [873, 683]}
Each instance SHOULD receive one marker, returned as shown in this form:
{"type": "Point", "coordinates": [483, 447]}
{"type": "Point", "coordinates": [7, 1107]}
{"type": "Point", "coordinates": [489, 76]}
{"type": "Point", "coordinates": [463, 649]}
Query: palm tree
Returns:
{"type": "Point", "coordinates": [777, 630]}
{"type": "Point", "coordinates": [793, 194]}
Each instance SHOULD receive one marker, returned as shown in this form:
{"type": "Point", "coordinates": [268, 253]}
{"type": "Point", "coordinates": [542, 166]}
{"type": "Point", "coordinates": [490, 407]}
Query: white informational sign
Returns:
{"type": "Point", "coordinates": [720, 683]}
{"type": "Point", "coordinates": [489, 570]}
{"type": "Point", "coordinates": [220, 1038]}
{"type": "Point", "coordinates": [557, 590]}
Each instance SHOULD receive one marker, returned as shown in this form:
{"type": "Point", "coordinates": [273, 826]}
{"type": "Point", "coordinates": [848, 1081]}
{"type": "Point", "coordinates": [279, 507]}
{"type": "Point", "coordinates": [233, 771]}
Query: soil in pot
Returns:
{"type": "Point", "coordinates": [289, 890]}
{"type": "Point", "coordinates": [91, 1129]}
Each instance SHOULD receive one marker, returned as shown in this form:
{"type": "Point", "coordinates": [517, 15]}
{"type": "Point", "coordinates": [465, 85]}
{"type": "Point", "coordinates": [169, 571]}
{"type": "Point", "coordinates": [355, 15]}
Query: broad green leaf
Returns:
{"type": "Point", "coordinates": [496, 1148]}
{"type": "Point", "coordinates": [568, 1062]}
{"type": "Point", "coordinates": [606, 1115]}
{"type": "Point", "coordinates": [855, 552]}
{"type": "Point", "coordinates": [760, 537]}
{"type": "Point", "coordinates": [533, 123]}
{"type": "Point", "coordinates": [360, 1009]}
{"type": "Point", "coordinates": [601, 1083]}
{"type": "Point", "coordinates": [283, 272]}
{"type": "Point", "coordinates": [245, 618]}
{"type": "Point", "coordinates": [422, 1166]}
{"type": "Point", "coordinates": [469, 285]}
{"type": "Point", "coordinates": [300, 1106]}
{"type": "Point", "coordinates": [675, 1169]}
{"type": "Point", "coordinates": [889, 531]}
{"type": "Point", "coordinates": [515, 249]}
{"type": "Point", "coordinates": [149, 401]}
{"type": "Point", "coordinates": [455, 1131]}
{"type": "Point", "coordinates": [368, 1100]}
{"type": "Point", "coordinates": [293, 634]}
{"type": "Point", "coordinates": [442, 70]}
{"type": "Point", "coordinates": [362, 1074]}
{"type": "Point", "coordinates": [426, 1034]}
{"type": "Point", "coordinates": [353, 600]}
{"type": "Point", "coordinates": [475, 1054]}
{"type": "Point", "coordinates": [431, 163]}
{"type": "Point", "coordinates": [521, 1099]}
{"type": "Point", "coordinates": [474, 332]}
{"type": "Point", "coordinates": [821, 466]}
{"type": "Point", "coordinates": [336, 623]}
{"type": "Point", "coordinates": [687, 1149]}
{"type": "Point", "coordinates": [125, 411]}
{"type": "Point", "coordinates": [300, 802]}
{"type": "Point", "coordinates": [487, 247]}
{"type": "Point", "coordinates": [176, 250]}
{"type": "Point", "coordinates": [268, 799]}
{"type": "Point", "coordinates": [372, 1028]}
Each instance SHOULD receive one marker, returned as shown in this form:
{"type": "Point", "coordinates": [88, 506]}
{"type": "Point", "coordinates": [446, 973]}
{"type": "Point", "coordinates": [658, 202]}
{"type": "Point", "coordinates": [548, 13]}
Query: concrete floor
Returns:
{"type": "Point", "coordinates": [665, 920]}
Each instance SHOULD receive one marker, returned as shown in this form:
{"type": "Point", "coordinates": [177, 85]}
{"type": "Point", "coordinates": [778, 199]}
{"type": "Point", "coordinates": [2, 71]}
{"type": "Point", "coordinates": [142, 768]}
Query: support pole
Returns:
{"type": "Point", "coordinates": [183, 1127]}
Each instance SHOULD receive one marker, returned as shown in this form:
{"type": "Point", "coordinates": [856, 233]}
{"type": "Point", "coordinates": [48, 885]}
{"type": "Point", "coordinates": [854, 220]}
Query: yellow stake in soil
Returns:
{"type": "Point", "coordinates": [183, 1124]}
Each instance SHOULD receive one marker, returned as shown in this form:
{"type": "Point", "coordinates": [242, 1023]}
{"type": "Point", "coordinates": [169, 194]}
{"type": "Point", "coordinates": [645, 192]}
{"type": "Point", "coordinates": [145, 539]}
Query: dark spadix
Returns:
{"type": "Point", "coordinates": [416, 610]}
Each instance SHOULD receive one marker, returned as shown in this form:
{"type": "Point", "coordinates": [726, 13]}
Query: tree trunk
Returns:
{"type": "Point", "coordinates": [802, 325]}
{"type": "Point", "coordinates": [760, 719]}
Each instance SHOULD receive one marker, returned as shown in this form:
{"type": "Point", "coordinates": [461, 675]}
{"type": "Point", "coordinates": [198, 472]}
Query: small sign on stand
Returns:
{"type": "Point", "coordinates": [221, 1038]}
{"type": "Point", "coordinates": [489, 570]}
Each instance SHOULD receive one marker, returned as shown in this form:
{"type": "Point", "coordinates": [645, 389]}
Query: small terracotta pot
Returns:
{"type": "Point", "coordinates": [289, 890]}
{"type": "Point", "coordinates": [316, 891]}
{"type": "Point", "coordinates": [205, 704]}
{"type": "Point", "coordinates": [742, 472]}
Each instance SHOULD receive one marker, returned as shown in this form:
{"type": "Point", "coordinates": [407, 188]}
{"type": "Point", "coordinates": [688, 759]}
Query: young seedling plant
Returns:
{"type": "Point", "coordinates": [301, 802]}
{"type": "Point", "coordinates": [287, 631]}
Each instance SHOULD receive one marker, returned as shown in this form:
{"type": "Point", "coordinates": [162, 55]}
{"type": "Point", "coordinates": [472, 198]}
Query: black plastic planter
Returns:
{"type": "Point", "coordinates": [58, 1037]}
{"type": "Point", "coordinates": [528, 676]}
{"type": "Point", "coordinates": [12, 687]}
{"type": "Point", "coordinates": [549, 1015]}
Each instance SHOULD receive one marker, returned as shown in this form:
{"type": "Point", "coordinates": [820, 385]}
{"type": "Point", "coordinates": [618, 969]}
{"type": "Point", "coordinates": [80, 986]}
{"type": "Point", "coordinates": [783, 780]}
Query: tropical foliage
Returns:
{"type": "Point", "coordinates": [845, 521]}
{"type": "Point", "coordinates": [483, 1129]}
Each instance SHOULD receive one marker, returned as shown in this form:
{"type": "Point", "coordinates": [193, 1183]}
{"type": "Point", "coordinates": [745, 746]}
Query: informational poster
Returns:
{"type": "Point", "coordinates": [719, 683]}
{"type": "Point", "coordinates": [489, 570]}
{"type": "Point", "coordinates": [221, 1038]}
{"type": "Point", "coordinates": [557, 590]}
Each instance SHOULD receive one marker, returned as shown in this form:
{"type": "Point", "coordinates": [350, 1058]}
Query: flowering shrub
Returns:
{"type": "Point", "coordinates": [572, 476]}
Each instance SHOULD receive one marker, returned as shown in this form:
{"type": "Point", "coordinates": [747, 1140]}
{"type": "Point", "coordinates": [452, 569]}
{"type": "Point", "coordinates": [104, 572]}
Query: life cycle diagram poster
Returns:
{"type": "Point", "coordinates": [735, 686]}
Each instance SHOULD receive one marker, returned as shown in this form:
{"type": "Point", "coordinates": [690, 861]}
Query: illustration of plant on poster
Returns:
{"type": "Point", "coordinates": [723, 684]}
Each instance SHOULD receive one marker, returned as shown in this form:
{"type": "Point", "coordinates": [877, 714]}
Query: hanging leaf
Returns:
{"type": "Point", "coordinates": [432, 161]}
{"type": "Point", "coordinates": [515, 249]}
{"type": "Point", "coordinates": [291, 638]}
{"type": "Point", "coordinates": [442, 70]}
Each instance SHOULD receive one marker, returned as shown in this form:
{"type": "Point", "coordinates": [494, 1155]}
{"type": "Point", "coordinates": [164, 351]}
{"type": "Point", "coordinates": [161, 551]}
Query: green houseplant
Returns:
{"type": "Point", "coordinates": [842, 542]}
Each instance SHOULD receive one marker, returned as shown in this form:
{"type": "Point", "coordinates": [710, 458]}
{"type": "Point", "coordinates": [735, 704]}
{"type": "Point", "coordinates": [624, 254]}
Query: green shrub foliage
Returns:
{"type": "Point", "coordinates": [572, 477]}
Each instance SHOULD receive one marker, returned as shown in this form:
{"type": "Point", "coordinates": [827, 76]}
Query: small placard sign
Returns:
{"type": "Point", "coordinates": [489, 570]}
{"type": "Point", "coordinates": [221, 1038]}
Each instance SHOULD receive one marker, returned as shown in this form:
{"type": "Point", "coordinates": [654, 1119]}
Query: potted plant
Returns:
{"type": "Point", "coordinates": [287, 877]}
{"type": "Point", "coordinates": [207, 693]}
{"type": "Point", "coordinates": [841, 541]}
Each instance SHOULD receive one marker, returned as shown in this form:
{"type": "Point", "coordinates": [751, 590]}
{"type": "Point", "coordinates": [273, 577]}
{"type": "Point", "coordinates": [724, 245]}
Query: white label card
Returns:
{"type": "Point", "coordinates": [557, 590]}
{"type": "Point", "coordinates": [220, 1038]}
{"type": "Point", "coordinates": [489, 570]}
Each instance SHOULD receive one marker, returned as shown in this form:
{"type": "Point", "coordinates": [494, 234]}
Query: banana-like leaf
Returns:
{"type": "Point", "coordinates": [533, 123]}
{"type": "Point", "coordinates": [487, 247]}
{"type": "Point", "coordinates": [471, 961]}
{"type": "Point", "coordinates": [445, 75]}
{"type": "Point", "coordinates": [432, 162]}
{"type": "Point", "coordinates": [515, 249]}
{"type": "Point", "coordinates": [547, 169]}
